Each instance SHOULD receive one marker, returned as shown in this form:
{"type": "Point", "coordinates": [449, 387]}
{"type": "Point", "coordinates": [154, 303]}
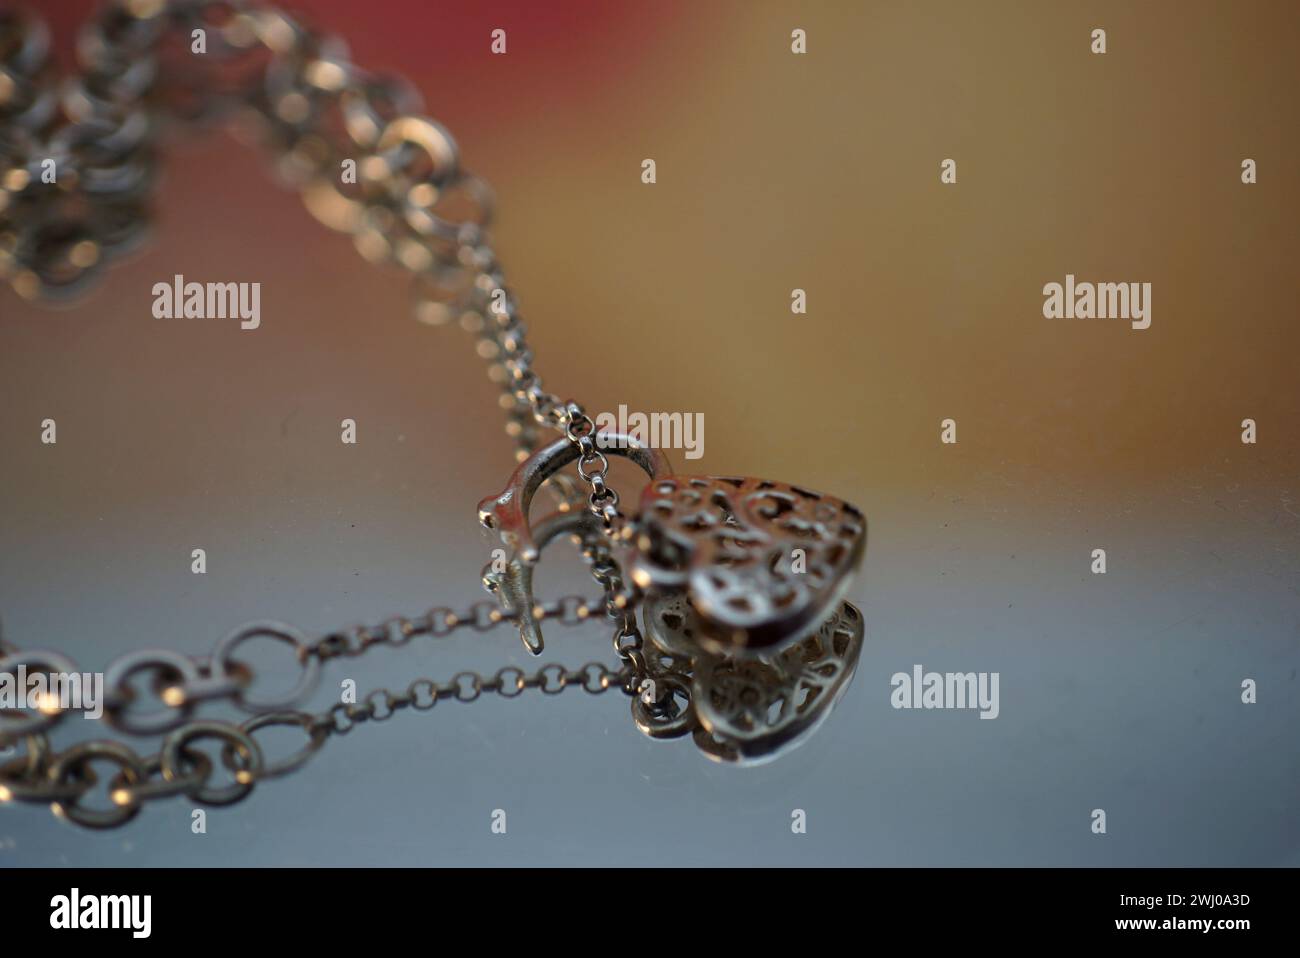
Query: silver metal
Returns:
{"type": "Point", "coordinates": [316, 737]}
{"type": "Point", "coordinates": [152, 785]}
{"type": "Point", "coordinates": [177, 752]}
{"type": "Point", "coordinates": [307, 679]}
{"type": "Point", "coordinates": [662, 707]}
{"type": "Point", "coordinates": [75, 763]}
{"type": "Point", "coordinates": [181, 669]}
{"type": "Point", "coordinates": [759, 709]}
{"type": "Point", "coordinates": [41, 662]}
{"type": "Point", "coordinates": [513, 585]}
{"type": "Point", "coordinates": [760, 561]}
{"type": "Point", "coordinates": [507, 512]}
{"type": "Point", "coordinates": [750, 709]}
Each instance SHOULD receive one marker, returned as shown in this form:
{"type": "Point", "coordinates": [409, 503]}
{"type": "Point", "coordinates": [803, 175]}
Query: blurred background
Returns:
{"type": "Point", "coordinates": [775, 171]}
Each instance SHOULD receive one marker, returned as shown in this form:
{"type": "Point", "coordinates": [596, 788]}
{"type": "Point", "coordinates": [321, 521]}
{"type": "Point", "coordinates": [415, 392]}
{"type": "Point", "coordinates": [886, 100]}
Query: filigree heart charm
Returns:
{"type": "Point", "coordinates": [750, 709]}
{"type": "Point", "coordinates": [760, 562]}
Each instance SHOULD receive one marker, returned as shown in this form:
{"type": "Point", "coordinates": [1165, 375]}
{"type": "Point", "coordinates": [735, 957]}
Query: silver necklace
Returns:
{"type": "Point", "coordinates": [738, 582]}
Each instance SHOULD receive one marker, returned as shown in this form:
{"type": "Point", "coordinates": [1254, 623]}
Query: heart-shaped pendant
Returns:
{"type": "Point", "coordinates": [742, 580]}
{"type": "Point", "coordinates": [760, 562]}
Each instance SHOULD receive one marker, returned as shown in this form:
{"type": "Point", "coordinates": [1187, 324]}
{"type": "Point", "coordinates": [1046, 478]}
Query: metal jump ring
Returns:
{"type": "Point", "coordinates": [151, 786]}
{"type": "Point", "coordinates": [75, 759]}
{"type": "Point", "coordinates": [48, 663]}
{"type": "Point", "coordinates": [657, 721]}
{"type": "Point", "coordinates": [221, 659]}
{"type": "Point", "coordinates": [316, 735]}
{"type": "Point", "coordinates": [174, 751]}
{"type": "Point", "coordinates": [155, 722]}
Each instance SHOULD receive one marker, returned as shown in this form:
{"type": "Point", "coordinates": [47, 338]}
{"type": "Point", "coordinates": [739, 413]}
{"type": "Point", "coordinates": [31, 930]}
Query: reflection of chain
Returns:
{"type": "Point", "coordinates": [180, 683]}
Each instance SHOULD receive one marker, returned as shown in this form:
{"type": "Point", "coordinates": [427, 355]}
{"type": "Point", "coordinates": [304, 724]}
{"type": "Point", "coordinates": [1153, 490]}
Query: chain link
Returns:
{"type": "Point", "coordinates": [63, 779]}
{"type": "Point", "coordinates": [178, 683]}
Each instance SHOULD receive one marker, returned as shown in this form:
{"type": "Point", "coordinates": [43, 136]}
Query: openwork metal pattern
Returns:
{"type": "Point", "coordinates": [759, 560]}
{"type": "Point", "coordinates": [749, 709]}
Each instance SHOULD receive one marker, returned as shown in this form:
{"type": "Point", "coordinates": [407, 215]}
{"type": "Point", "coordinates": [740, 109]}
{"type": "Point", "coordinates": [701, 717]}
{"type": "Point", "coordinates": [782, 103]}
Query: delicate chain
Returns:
{"type": "Point", "coordinates": [180, 768]}
{"type": "Point", "coordinates": [508, 682]}
{"type": "Point", "coordinates": [621, 600]}
{"type": "Point", "coordinates": [593, 466]}
{"type": "Point", "coordinates": [410, 204]}
{"type": "Point", "coordinates": [439, 622]}
{"type": "Point", "coordinates": [180, 683]}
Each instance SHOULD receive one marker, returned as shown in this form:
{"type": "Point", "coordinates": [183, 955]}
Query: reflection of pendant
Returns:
{"type": "Point", "coordinates": [742, 582]}
{"type": "Point", "coordinates": [751, 709]}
